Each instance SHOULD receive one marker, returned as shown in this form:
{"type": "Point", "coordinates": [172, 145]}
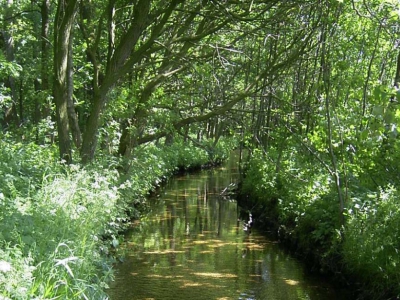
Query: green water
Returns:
{"type": "Point", "coordinates": [192, 246]}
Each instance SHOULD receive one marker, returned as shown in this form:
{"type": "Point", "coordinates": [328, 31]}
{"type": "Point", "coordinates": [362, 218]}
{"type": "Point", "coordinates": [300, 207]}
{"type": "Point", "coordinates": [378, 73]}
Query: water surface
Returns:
{"type": "Point", "coordinates": [192, 246]}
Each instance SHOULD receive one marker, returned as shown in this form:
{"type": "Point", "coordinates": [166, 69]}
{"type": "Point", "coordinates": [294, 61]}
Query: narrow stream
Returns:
{"type": "Point", "coordinates": [192, 246]}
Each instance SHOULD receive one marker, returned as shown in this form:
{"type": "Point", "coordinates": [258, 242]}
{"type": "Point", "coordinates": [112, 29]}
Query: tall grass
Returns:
{"type": "Point", "coordinates": [59, 230]}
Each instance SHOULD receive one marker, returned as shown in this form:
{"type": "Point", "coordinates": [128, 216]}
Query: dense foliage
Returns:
{"type": "Point", "coordinates": [60, 224]}
{"type": "Point", "coordinates": [100, 100]}
{"type": "Point", "coordinates": [330, 165]}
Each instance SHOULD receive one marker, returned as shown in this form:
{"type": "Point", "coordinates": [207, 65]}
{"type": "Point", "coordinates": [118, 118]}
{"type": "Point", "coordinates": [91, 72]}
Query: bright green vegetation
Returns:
{"type": "Point", "coordinates": [326, 176]}
{"type": "Point", "coordinates": [60, 224]}
{"type": "Point", "coordinates": [300, 203]}
{"type": "Point", "coordinates": [100, 100]}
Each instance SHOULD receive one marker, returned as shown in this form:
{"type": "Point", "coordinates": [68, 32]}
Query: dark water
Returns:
{"type": "Point", "coordinates": [192, 246]}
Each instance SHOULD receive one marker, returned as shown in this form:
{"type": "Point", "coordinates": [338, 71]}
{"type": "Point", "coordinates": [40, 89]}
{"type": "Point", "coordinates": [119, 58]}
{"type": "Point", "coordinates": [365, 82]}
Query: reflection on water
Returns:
{"type": "Point", "coordinates": [192, 246]}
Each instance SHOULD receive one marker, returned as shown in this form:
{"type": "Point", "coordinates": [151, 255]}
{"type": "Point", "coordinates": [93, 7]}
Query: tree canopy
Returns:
{"type": "Point", "coordinates": [112, 75]}
{"type": "Point", "coordinates": [150, 68]}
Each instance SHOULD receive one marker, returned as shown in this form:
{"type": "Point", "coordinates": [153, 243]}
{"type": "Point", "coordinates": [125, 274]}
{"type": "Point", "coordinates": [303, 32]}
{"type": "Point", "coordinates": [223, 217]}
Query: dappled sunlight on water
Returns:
{"type": "Point", "coordinates": [193, 246]}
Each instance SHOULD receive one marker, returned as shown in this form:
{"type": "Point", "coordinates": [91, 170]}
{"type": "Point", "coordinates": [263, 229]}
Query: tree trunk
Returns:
{"type": "Point", "coordinates": [11, 115]}
{"type": "Point", "coordinates": [89, 141]}
{"type": "Point", "coordinates": [326, 86]}
{"type": "Point", "coordinates": [64, 21]}
{"type": "Point", "coordinates": [397, 76]}
{"type": "Point", "coordinates": [125, 142]}
{"type": "Point", "coordinates": [118, 57]}
{"type": "Point", "coordinates": [72, 117]}
{"type": "Point", "coordinates": [44, 68]}
{"type": "Point", "coordinates": [21, 102]}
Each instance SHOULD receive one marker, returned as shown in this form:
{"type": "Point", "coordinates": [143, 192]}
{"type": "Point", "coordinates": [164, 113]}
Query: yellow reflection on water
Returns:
{"type": "Point", "coordinates": [292, 282]}
{"type": "Point", "coordinates": [215, 275]}
{"type": "Point", "coordinates": [168, 251]}
{"type": "Point", "coordinates": [190, 283]}
{"type": "Point", "coordinates": [164, 276]}
{"type": "Point", "coordinates": [200, 242]}
{"type": "Point", "coordinates": [253, 246]}
{"type": "Point", "coordinates": [218, 243]}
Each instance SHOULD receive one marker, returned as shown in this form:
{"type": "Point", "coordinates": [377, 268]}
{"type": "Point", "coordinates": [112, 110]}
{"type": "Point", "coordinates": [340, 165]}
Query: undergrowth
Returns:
{"type": "Point", "coordinates": [60, 225]}
{"type": "Point", "coordinates": [300, 204]}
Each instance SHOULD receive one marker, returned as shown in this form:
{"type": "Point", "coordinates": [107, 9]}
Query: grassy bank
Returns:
{"type": "Point", "coordinates": [60, 225]}
{"type": "Point", "coordinates": [293, 196]}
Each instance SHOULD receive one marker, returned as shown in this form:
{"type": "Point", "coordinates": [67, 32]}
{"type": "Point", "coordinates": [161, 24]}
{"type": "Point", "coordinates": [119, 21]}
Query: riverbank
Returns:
{"type": "Point", "coordinates": [298, 203]}
{"type": "Point", "coordinates": [60, 225]}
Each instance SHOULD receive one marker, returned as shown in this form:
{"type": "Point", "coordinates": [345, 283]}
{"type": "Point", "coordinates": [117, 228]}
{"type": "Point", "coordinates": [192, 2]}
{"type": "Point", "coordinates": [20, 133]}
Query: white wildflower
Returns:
{"type": "Point", "coordinates": [5, 266]}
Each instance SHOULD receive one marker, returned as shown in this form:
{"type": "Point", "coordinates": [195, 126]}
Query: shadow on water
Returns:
{"type": "Point", "coordinates": [192, 246]}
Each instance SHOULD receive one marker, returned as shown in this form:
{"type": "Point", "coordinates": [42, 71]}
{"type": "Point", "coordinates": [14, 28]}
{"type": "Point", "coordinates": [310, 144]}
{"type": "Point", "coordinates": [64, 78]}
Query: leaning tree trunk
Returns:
{"type": "Point", "coordinates": [89, 141]}
{"type": "Point", "coordinates": [120, 57]}
{"type": "Point", "coordinates": [64, 21]}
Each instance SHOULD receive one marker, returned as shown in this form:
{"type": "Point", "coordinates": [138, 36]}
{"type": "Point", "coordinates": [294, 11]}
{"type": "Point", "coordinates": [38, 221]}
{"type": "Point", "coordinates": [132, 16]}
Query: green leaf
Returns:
{"type": "Point", "coordinates": [389, 117]}
{"type": "Point", "coordinates": [378, 110]}
{"type": "Point", "coordinates": [398, 95]}
{"type": "Point", "coordinates": [364, 135]}
{"type": "Point", "coordinates": [377, 92]}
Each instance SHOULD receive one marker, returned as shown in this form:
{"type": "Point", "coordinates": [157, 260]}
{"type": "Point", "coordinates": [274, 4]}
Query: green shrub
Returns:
{"type": "Point", "coordinates": [261, 179]}
{"type": "Point", "coordinates": [372, 244]}
{"type": "Point", "coordinates": [22, 166]}
{"type": "Point", "coordinates": [300, 201]}
{"type": "Point", "coordinates": [61, 227]}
